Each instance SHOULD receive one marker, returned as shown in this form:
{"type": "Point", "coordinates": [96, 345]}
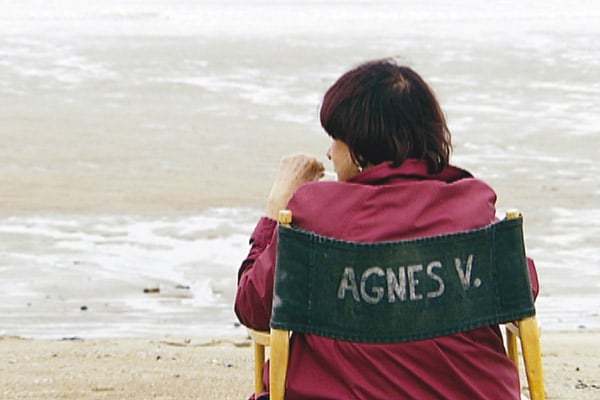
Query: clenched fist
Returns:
{"type": "Point", "coordinates": [294, 170]}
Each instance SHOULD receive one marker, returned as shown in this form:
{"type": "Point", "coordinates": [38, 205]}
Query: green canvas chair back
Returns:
{"type": "Point", "coordinates": [401, 291]}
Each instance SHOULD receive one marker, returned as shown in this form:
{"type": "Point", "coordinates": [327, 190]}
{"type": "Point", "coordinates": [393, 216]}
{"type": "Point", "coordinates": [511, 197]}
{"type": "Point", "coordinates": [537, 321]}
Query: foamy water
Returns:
{"type": "Point", "coordinates": [125, 276]}
{"type": "Point", "coordinates": [138, 276]}
{"type": "Point", "coordinates": [98, 96]}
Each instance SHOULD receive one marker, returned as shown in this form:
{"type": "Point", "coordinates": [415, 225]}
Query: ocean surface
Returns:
{"type": "Point", "coordinates": [140, 138]}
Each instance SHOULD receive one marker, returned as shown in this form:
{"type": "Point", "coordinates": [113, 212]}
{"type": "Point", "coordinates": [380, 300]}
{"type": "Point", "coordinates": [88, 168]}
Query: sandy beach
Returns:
{"type": "Point", "coordinates": [197, 368]}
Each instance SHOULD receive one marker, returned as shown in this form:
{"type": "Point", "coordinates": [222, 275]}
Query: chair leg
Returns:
{"type": "Point", "coordinates": [280, 350]}
{"type": "Point", "coordinates": [511, 347]}
{"type": "Point", "coordinates": [259, 367]}
{"type": "Point", "coordinates": [532, 357]}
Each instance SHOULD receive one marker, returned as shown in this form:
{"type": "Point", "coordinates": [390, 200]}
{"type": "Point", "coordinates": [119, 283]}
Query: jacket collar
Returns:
{"type": "Point", "coordinates": [410, 169]}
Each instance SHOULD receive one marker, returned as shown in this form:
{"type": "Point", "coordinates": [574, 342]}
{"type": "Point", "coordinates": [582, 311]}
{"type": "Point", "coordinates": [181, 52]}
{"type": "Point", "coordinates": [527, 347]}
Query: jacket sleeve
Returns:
{"type": "Point", "coordinates": [533, 278]}
{"type": "Point", "coordinates": [255, 278]}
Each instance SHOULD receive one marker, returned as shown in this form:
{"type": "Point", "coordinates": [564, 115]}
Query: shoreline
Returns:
{"type": "Point", "coordinates": [186, 368]}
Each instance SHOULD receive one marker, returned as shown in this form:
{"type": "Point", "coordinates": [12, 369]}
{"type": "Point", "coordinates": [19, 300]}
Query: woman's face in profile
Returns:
{"type": "Point", "coordinates": [343, 164]}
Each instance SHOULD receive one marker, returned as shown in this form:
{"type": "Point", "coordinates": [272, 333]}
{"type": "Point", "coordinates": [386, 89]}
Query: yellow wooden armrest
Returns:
{"type": "Point", "coordinates": [279, 342]}
{"type": "Point", "coordinates": [261, 337]}
{"type": "Point", "coordinates": [512, 327]}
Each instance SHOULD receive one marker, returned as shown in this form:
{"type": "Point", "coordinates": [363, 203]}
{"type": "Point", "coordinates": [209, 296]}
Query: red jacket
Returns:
{"type": "Point", "coordinates": [382, 204]}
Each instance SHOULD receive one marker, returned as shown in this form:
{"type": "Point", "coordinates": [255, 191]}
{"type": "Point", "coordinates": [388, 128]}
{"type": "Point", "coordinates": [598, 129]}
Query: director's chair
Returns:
{"type": "Point", "coordinates": [494, 289]}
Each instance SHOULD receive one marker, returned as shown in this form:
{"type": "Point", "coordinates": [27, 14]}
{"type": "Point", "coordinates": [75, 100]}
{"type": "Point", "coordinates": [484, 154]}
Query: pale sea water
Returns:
{"type": "Point", "coordinates": [239, 83]}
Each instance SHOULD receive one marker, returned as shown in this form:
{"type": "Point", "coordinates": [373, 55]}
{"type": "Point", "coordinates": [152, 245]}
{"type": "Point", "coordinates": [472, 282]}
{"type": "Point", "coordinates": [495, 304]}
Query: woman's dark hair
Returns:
{"type": "Point", "coordinates": [386, 112]}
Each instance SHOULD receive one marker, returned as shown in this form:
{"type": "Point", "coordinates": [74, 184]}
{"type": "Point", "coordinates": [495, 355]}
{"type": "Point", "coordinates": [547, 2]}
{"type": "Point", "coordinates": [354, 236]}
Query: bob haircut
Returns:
{"type": "Point", "coordinates": [386, 112]}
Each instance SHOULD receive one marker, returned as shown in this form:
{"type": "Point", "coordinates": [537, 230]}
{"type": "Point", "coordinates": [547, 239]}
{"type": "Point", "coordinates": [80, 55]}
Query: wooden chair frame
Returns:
{"type": "Point", "coordinates": [527, 330]}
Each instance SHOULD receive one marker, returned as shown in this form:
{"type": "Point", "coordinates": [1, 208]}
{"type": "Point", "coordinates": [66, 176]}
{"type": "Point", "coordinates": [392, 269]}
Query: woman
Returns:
{"type": "Point", "coordinates": [390, 150]}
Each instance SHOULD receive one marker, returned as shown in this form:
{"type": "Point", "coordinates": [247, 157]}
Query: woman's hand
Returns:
{"type": "Point", "coordinates": [294, 170]}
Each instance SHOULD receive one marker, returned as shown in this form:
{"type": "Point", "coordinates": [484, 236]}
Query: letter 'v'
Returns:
{"type": "Point", "coordinates": [464, 275]}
